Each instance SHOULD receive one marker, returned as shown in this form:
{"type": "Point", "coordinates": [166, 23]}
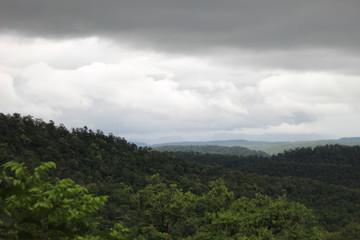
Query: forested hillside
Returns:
{"type": "Point", "coordinates": [213, 149]}
{"type": "Point", "coordinates": [332, 164]}
{"type": "Point", "coordinates": [109, 165]}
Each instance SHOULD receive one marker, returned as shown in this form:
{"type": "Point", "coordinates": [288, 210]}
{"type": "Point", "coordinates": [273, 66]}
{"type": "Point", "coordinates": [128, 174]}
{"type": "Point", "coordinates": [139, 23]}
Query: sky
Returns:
{"type": "Point", "coordinates": [165, 70]}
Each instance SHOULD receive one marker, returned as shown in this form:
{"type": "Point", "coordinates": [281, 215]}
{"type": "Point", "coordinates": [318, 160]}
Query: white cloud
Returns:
{"type": "Point", "coordinates": [310, 92]}
{"type": "Point", "coordinates": [143, 94]}
{"type": "Point", "coordinates": [7, 90]}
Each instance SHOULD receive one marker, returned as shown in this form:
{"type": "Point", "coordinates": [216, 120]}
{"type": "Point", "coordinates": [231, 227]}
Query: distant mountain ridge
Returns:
{"type": "Point", "coordinates": [264, 146]}
{"type": "Point", "coordinates": [213, 149]}
{"type": "Point", "coordinates": [226, 143]}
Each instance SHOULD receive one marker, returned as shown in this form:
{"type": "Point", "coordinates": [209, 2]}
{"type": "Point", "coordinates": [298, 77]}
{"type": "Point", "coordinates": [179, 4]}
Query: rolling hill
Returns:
{"type": "Point", "coordinates": [109, 165]}
{"type": "Point", "coordinates": [263, 146]}
{"type": "Point", "coordinates": [213, 149]}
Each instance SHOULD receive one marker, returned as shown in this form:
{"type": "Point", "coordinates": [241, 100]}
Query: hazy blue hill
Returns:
{"type": "Point", "coordinates": [268, 147]}
{"type": "Point", "coordinates": [281, 147]}
{"type": "Point", "coordinates": [226, 143]}
{"type": "Point", "coordinates": [213, 149]}
{"type": "Point", "coordinates": [351, 141]}
{"type": "Point", "coordinates": [139, 144]}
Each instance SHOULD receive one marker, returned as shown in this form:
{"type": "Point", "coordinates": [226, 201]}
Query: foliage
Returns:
{"type": "Point", "coordinates": [109, 165]}
{"type": "Point", "coordinates": [254, 218]}
{"type": "Point", "coordinates": [217, 215]}
{"type": "Point", "coordinates": [333, 164]}
{"type": "Point", "coordinates": [163, 209]}
{"type": "Point", "coordinates": [34, 208]}
{"type": "Point", "coordinates": [350, 231]}
{"type": "Point", "coordinates": [213, 149]}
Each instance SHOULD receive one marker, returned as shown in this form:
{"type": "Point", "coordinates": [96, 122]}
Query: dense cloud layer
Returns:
{"type": "Point", "coordinates": [160, 70]}
{"type": "Point", "coordinates": [187, 25]}
{"type": "Point", "coordinates": [147, 95]}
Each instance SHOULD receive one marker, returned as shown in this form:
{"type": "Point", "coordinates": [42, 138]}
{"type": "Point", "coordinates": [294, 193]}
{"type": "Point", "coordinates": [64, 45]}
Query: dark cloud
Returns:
{"type": "Point", "coordinates": [270, 68]}
{"type": "Point", "coordinates": [195, 24]}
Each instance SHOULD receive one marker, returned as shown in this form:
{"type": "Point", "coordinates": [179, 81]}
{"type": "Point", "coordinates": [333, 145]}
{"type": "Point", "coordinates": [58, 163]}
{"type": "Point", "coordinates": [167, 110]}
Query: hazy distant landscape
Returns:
{"type": "Point", "coordinates": [267, 147]}
{"type": "Point", "coordinates": [179, 120]}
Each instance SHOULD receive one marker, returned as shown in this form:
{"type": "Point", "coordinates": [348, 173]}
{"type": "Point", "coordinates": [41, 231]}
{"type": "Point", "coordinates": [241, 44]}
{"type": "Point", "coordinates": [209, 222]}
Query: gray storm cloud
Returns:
{"type": "Point", "coordinates": [188, 25]}
{"type": "Point", "coordinates": [184, 69]}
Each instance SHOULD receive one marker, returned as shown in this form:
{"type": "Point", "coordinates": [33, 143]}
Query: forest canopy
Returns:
{"type": "Point", "coordinates": [141, 193]}
{"type": "Point", "coordinates": [33, 208]}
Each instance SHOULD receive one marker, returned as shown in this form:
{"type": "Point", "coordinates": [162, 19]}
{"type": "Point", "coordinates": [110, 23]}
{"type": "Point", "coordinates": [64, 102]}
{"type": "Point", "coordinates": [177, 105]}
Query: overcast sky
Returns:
{"type": "Point", "coordinates": [176, 70]}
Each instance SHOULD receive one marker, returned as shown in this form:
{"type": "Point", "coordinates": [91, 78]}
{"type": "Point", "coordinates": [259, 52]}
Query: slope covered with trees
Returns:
{"type": "Point", "coordinates": [35, 208]}
{"type": "Point", "coordinates": [109, 165]}
{"type": "Point", "coordinates": [213, 149]}
{"type": "Point", "coordinates": [332, 164]}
